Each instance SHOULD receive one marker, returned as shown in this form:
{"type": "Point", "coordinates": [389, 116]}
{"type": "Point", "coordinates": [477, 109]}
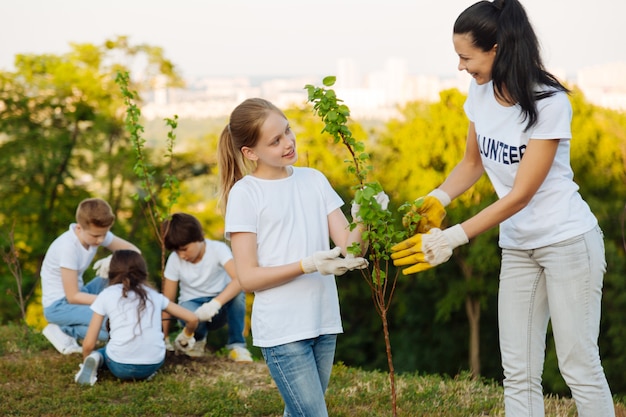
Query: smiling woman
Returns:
{"type": "Point", "coordinates": [552, 247]}
{"type": "Point", "coordinates": [475, 61]}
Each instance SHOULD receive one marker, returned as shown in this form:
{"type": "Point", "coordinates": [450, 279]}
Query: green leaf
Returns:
{"type": "Point", "coordinates": [329, 81]}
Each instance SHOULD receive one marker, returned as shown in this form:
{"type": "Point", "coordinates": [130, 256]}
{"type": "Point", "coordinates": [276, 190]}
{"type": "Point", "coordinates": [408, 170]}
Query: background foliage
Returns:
{"type": "Point", "coordinates": [62, 139]}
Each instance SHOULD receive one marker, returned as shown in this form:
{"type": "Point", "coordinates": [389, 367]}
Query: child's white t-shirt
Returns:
{"type": "Point", "coordinates": [66, 251]}
{"type": "Point", "coordinates": [290, 219]}
{"type": "Point", "coordinates": [130, 342]}
{"type": "Point", "coordinates": [557, 211]}
{"type": "Point", "coordinates": [207, 278]}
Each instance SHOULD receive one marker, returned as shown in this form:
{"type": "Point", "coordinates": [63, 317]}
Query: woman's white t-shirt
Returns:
{"type": "Point", "coordinates": [290, 219]}
{"type": "Point", "coordinates": [130, 342]}
{"type": "Point", "coordinates": [557, 211]}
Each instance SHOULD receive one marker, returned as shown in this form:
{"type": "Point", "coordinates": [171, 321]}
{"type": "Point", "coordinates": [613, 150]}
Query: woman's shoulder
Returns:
{"type": "Point", "coordinates": [556, 97]}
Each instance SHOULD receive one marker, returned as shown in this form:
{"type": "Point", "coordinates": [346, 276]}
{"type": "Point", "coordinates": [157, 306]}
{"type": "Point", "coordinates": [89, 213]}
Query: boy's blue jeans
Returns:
{"type": "Point", "coordinates": [301, 371]}
{"type": "Point", "coordinates": [74, 318]}
{"type": "Point", "coordinates": [233, 314]}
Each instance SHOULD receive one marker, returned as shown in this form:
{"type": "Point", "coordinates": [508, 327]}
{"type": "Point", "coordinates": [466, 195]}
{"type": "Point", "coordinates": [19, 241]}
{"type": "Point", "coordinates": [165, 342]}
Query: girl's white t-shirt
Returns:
{"type": "Point", "coordinates": [557, 211]}
{"type": "Point", "coordinates": [130, 342]}
{"type": "Point", "coordinates": [290, 219]}
{"type": "Point", "coordinates": [207, 278]}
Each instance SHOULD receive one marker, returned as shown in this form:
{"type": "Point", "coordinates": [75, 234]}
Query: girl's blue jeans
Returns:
{"type": "Point", "coordinates": [301, 371]}
{"type": "Point", "coordinates": [561, 283]}
{"type": "Point", "coordinates": [129, 371]}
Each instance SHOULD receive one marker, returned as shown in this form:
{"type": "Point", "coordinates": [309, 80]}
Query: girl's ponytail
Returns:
{"type": "Point", "coordinates": [230, 166]}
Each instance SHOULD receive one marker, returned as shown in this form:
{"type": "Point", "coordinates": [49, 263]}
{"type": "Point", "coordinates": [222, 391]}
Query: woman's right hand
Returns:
{"type": "Point", "coordinates": [427, 212]}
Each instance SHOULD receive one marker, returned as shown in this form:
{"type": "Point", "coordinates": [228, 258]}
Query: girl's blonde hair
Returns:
{"type": "Point", "coordinates": [243, 130]}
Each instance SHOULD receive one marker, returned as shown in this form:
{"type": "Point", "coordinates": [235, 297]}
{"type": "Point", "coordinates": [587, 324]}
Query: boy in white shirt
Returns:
{"type": "Point", "coordinates": [65, 297]}
{"type": "Point", "coordinates": [208, 284]}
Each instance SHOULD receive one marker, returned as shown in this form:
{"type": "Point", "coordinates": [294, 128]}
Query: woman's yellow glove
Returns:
{"type": "Point", "coordinates": [426, 250]}
{"type": "Point", "coordinates": [430, 208]}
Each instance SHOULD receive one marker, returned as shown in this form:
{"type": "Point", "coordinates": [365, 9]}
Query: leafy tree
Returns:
{"type": "Point", "coordinates": [380, 231]}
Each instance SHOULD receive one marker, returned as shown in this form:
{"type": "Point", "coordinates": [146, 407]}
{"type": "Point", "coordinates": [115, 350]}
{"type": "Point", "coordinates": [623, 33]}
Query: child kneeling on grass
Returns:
{"type": "Point", "coordinates": [205, 270]}
{"type": "Point", "coordinates": [65, 296]}
{"type": "Point", "coordinates": [136, 349]}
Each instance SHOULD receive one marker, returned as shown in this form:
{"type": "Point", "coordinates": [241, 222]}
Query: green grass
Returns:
{"type": "Point", "coordinates": [35, 380]}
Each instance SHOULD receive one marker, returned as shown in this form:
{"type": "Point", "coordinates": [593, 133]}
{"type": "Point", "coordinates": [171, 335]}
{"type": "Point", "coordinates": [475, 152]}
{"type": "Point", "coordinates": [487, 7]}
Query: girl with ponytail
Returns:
{"type": "Point", "coordinates": [136, 346]}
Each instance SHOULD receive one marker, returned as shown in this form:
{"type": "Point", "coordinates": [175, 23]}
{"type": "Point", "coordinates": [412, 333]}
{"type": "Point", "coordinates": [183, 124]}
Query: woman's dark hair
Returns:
{"type": "Point", "coordinates": [128, 268]}
{"type": "Point", "coordinates": [517, 67]}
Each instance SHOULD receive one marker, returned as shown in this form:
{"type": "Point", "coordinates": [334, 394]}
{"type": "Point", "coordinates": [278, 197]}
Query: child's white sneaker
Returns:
{"type": "Point", "coordinates": [168, 345]}
{"type": "Point", "coordinates": [61, 341]}
{"type": "Point", "coordinates": [88, 372]}
{"type": "Point", "coordinates": [240, 354]}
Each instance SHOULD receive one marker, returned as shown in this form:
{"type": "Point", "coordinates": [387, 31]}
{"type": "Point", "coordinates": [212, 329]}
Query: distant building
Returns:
{"type": "Point", "coordinates": [377, 95]}
{"type": "Point", "coordinates": [604, 85]}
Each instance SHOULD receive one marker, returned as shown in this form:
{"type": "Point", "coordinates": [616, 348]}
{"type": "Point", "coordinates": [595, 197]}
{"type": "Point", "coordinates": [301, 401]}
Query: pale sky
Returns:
{"type": "Point", "coordinates": [303, 37]}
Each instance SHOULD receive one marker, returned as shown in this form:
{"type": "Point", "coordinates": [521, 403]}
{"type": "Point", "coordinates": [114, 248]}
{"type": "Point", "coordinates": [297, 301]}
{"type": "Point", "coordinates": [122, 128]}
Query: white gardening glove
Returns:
{"type": "Point", "coordinates": [207, 311]}
{"type": "Point", "coordinates": [168, 345]}
{"type": "Point", "coordinates": [184, 342]}
{"type": "Point", "coordinates": [102, 267]}
{"type": "Point", "coordinates": [329, 262]}
{"type": "Point", "coordinates": [381, 198]}
{"type": "Point", "coordinates": [426, 250]}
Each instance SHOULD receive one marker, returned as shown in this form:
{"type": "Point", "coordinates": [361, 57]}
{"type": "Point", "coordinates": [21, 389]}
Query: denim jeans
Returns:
{"type": "Point", "coordinates": [232, 313]}
{"type": "Point", "coordinates": [74, 318]}
{"type": "Point", "coordinates": [129, 371]}
{"type": "Point", "coordinates": [562, 283]}
{"type": "Point", "coordinates": [301, 371]}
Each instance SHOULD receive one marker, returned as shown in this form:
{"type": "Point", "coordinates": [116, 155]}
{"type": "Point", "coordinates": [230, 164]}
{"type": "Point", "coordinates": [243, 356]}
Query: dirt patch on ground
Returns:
{"type": "Point", "coordinates": [212, 368]}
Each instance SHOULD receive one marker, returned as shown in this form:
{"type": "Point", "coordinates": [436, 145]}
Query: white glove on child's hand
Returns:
{"type": "Point", "coordinates": [102, 267]}
{"type": "Point", "coordinates": [207, 311]}
{"type": "Point", "coordinates": [381, 198]}
{"type": "Point", "coordinates": [184, 342]}
{"type": "Point", "coordinates": [329, 262]}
